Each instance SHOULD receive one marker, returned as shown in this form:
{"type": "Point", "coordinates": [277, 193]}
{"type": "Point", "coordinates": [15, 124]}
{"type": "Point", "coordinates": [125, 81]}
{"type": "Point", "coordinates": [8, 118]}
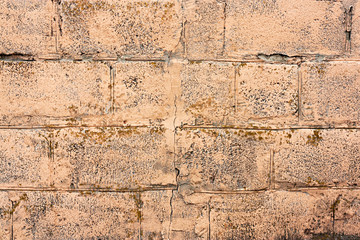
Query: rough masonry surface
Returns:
{"type": "Point", "coordinates": [179, 119]}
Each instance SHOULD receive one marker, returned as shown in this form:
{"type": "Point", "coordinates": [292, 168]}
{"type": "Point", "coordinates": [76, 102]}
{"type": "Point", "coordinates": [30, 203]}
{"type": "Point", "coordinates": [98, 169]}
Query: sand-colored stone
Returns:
{"type": "Point", "coordinates": [246, 94]}
{"type": "Point", "coordinates": [62, 215]}
{"type": "Point", "coordinates": [317, 158]}
{"type": "Point", "coordinates": [40, 93]}
{"type": "Point", "coordinates": [286, 215]}
{"type": "Point", "coordinates": [26, 27]}
{"type": "Point", "coordinates": [25, 159]}
{"type": "Point", "coordinates": [330, 94]}
{"type": "Point", "coordinates": [145, 29]}
{"type": "Point", "coordinates": [143, 92]}
{"type": "Point", "coordinates": [5, 216]}
{"type": "Point", "coordinates": [114, 158]}
{"type": "Point", "coordinates": [204, 28]}
{"type": "Point", "coordinates": [190, 218]}
{"type": "Point", "coordinates": [215, 160]}
{"type": "Point", "coordinates": [206, 93]}
{"type": "Point", "coordinates": [179, 119]}
{"type": "Point", "coordinates": [266, 94]}
{"type": "Point", "coordinates": [314, 214]}
{"type": "Point", "coordinates": [290, 27]}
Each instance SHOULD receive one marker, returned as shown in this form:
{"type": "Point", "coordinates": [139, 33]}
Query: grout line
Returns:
{"type": "Point", "coordinates": [112, 89]}
{"type": "Point", "coordinates": [92, 190]}
{"type": "Point", "coordinates": [270, 129]}
{"type": "Point", "coordinates": [179, 127]}
{"type": "Point", "coordinates": [246, 59]}
{"type": "Point", "coordinates": [299, 92]}
{"type": "Point", "coordinates": [174, 188]}
{"type": "Point", "coordinates": [235, 88]}
{"type": "Point", "coordinates": [272, 171]}
{"type": "Point", "coordinates": [224, 29]}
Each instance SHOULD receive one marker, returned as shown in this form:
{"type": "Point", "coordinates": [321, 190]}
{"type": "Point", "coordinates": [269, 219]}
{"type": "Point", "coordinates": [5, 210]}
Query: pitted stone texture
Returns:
{"type": "Point", "coordinates": [147, 29]}
{"type": "Point", "coordinates": [36, 93]}
{"type": "Point", "coordinates": [330, 93]}
{"type": "Point", "coordinates": [317, 158]}
{"type": "Point", "coordinates": [190, 217]}
{"type": "Point", "coordinates": [143, 91]}
{"type": "Point", "coordinates": [207, 93]}
{"type": "Point", "coordinates": [204, 28]}
{"type": "Point", "coordinates": [26, 27]}
{"type": "Point", "coordinates": [289, 27]}
{"type": "Point", "coordinates": [214, 160]}
{"type": "Point", "coordinates": [61, 215]}
{"type": "Point", "coordinates": [117, 158]}
{"type": "Point", "coordinates": [266, 94]}
{"type": "Point", "coordinates": [6, 210]}
{"type": "Point", "coordinates": [221, 94]}
{"type": "Point", "coordinates": [25, 158]}
{"type": "Point", "coordinates": [286, 215]}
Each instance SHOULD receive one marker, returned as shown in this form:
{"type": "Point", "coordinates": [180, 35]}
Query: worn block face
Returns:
{"type": "Point", "coordinates": [189, 219]}
{"type": "Point", "coordinates": [223, 159]}
{"type": "Point", "coordinates": [44, 215]}
{"type": "Point", "coordinates": [286, 215]}
{"type": "Point", "coordinates": [149, 29]}
{"type": "Point", "coordinates": [317, 158]}
{"type": "Point", "coordinates": [5, 216]}
{"type": "Point", "coordinates": [330, 93]}
{"type": "Point", "coordinates": [25, 159]}
{"type": "Point", "coordinates": [143, 92]}
{"type": "Point", "coordinates": [266, 94]}
{"type": "Point", "coordinates": [207, 93]}
{"type": "Point", "coordinates": [288, 27]}
{"type": "Point", "coordinates": [34, 93]}
{"type": "Point", "coordinates": [204, 28]}
{"type": "Point", "coordinates": [117, 158]}
{"type": "Point", "coordinates": [25, 27]}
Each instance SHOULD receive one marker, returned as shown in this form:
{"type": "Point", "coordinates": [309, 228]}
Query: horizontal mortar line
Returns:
{"type": "Point", "coordinates": [91, 190]}
{"type": "Point", "coordinates": [250, 59]}
{"type": "Point", "coordinates": [36, 59]}
{"type": "Point", "coordinates": [316, 188]}
{"type": "Point", "coordinates": [278, 190]}
{"type": "Point", "coordinates": [233, 191]}
{"type": "Point", "coordinates": [77, 126]}
{"type": "Point", "coordinates": [149, 189]}
{"type": "Point", "coordinates": [19, 127]}
{"type": "Point", "coordinates": [269, 129]}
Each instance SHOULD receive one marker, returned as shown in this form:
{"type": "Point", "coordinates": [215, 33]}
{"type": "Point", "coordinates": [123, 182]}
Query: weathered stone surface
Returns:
{"type": "Point", "coordinates": [330, 93]}
{"type": "Point", "coordinates": [204, 28]}
{"type": "Point", "coordinates": [315, 214]}
{"type": "Point", "coordinates": [317, 158]}
{"type": "Point", "coordinates": [61, 215]}
{"type": "Point", "coordinates": [212, 160]}
{"type": "Point", "coordinates": [221, 94]}
{"type": "Point", "coordinates": [148, 29]}
{"type": "Point", "coordinates": [118, 158]}
{"type": "Point", "coordinates": [189, 218]}
{"type": "Point", "coordinates": [266, 94]}
{"type": "Point", "coordinates": [286, 215]}
{"type": "Point", "coordinates": [144, 91]}
{"type": "Point", "coordinates": [35, 93]}
{"type": "Point", "coordinates": [207, 93]}
{"type": "Point", "coordinates": [24, 158]}
{"type": "Point", "coordinates": [5, 216]}
{"type": "Point", "coordinates": [289, 27]}
{"type": "Point", "coordinates": [26, 27]}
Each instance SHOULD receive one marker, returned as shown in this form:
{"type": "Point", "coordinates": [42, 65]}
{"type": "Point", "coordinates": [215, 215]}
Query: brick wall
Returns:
{"type": "Point", "coordinates": [179, 119]}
